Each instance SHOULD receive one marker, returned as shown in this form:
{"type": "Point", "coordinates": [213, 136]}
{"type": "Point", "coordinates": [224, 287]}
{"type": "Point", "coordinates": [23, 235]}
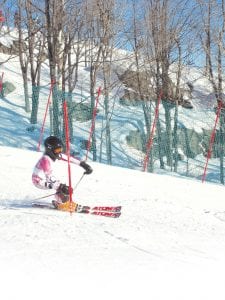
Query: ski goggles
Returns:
{"type": "Point", "coordinates": [58, 150]}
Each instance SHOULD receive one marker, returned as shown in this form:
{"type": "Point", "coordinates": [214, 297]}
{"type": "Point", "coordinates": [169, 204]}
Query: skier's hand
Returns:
{"type": "Point", "coordinates": [64, 189]}
{"type": "Point", "coordinates": [86, 167]}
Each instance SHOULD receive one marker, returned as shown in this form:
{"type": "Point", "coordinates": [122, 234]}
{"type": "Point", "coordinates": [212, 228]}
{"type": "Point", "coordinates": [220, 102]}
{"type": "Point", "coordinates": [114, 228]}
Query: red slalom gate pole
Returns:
{"type": "Point", "coordinates": [211, 142]}
{"type": "Point", "coordinates": [93, 122]}
{"type": "Point", "coordinates": [150, 141]}
{"type": "Point", "coordinates": [46, 111]}
{"type": "Point", "coordinates": [68, 150]}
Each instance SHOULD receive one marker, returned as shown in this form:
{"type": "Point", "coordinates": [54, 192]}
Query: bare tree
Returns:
{"type": "Point", "coordinates": [212, 37]}
{"type": "Point", "coordinates": [54, 12]}
{"type": "Point", "coordinates": [6, 29]}
{"type": "Point", "coordinates": [23, 50]}
{"type": "Point", "coordinates": [72, 45]}
{"type": "Point", "coordinates": [73, 36]}
{"type": "Point", "coordinates": [166, 27]}
{"type": "Point", "coordinates": [107, 38]}
{"type": "Point", "coordinates": [37, 54]}
{"type": "Point", "coordinates": [93, 54]}
{"type": "Point", "coordinates": [136, 37]}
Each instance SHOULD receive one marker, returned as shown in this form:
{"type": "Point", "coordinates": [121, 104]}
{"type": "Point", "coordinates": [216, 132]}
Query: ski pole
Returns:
{"type": "Point", "coordinates": [44, 197]}
{"type": "Point", "coordinates": [39, 198]}
{"type": "Point", "coordinates": [79, 181]}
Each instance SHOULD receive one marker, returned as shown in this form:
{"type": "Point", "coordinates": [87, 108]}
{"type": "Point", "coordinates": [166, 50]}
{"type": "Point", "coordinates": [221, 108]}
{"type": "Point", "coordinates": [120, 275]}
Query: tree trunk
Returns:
{"type": "Point", "coordinates": [175, 138]}
{"type": "Point", "coordinates": [108, 131]}
{"type": "Point", "coordinates": [52, 44]}
{"type": "Point", "coordinates": [221, 146]}
{"type": "Point", "coordinates": [168, 142]}
{"type": "Point", "coordinates": [26, 94]}
{"type": "Point", "coordinates": [92, 94]}
{"type": "Point", "coordinates": [159, 138]}
{"type": "Point", "coordinates": [35, 103]}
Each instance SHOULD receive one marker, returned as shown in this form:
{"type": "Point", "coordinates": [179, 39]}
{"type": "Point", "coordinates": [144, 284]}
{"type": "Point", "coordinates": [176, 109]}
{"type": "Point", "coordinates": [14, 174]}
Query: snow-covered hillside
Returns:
{"type": "Point", "coordinates": [125, 119]}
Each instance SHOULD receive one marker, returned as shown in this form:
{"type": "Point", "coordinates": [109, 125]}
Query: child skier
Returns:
{"type": "Point", "coordinates": [44, 178]}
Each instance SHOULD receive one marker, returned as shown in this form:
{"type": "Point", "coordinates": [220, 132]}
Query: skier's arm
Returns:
{"type": "Point", "coordinates": [76, 161]}
{"type": "Point", "coordinates": [42, 175]}
{"type": "Point", "coordinates": [73, 159]}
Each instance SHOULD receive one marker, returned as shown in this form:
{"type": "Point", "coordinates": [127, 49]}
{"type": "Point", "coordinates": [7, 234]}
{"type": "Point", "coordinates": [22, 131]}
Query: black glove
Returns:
{"type": "Point", "coordinates": [87, 168]}
{"type": "Point", "coordinates": [64, 189]}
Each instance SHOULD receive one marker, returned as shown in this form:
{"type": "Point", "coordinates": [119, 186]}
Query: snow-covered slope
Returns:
{"type": "Point", "coordinates": [168, 243]}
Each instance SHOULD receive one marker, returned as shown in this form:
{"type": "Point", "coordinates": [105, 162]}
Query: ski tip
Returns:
{"type": "Point", "coordinates": [117, 215]}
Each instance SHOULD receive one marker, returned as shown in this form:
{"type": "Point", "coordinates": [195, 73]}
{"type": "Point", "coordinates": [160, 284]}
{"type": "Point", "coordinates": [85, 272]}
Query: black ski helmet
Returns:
{"type": "Point", "coordinates": [53, 147]}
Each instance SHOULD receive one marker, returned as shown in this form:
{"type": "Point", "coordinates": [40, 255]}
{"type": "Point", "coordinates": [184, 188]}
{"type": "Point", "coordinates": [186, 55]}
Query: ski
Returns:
{"type": "Point", "coordinates": [101, 208]}
{"type": "Point", "coordinates": [43, 205]}
{"type": "Point", "coordinates": [105, 211]}
{"type": "Point", "coordinates": [110, 214]}
{"type": "Point", "coordinates": [107, 208]}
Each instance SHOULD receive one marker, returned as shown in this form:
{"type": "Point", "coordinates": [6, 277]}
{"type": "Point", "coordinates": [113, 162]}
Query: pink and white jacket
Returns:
{"type": "Point", "coordinates": [43, 177]}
